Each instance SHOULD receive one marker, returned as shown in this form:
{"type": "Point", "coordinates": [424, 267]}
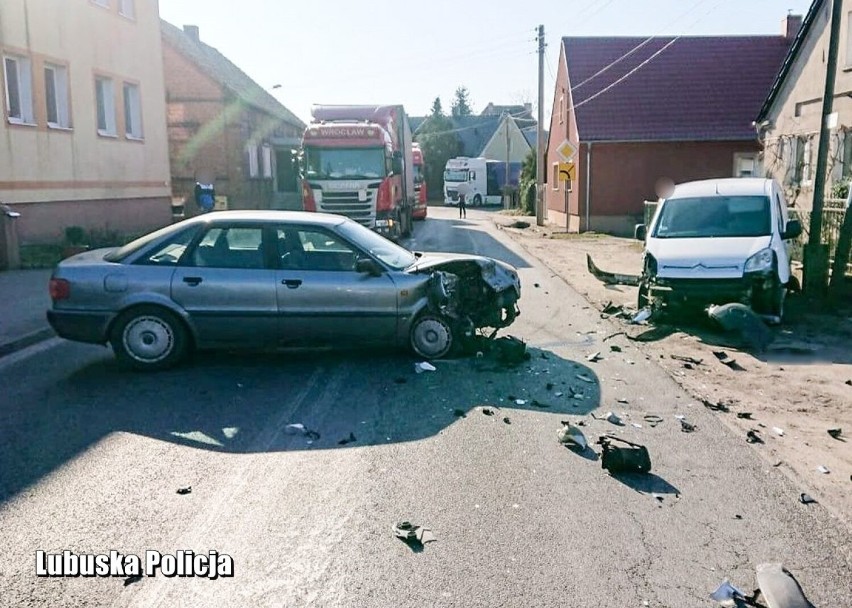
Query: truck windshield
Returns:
{"type": "Point", "coordinates": [714, 216]}
{"type": "Point", "coordinates": [345, 163]}
{"type": "Point", "coordinates": [455, 175]}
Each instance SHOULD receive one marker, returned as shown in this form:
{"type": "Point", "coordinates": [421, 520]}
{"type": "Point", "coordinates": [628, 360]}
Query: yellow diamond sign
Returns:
{"type": "Point", "coordinates": [566, 150]}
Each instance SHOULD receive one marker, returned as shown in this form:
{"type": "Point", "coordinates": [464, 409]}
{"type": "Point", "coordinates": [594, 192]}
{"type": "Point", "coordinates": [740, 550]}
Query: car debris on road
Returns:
{"type": "Point", "coordinates": [629, 458]}
{"type": "Point", "coordinates": [414, 536]}
{"type": "Point", "coordinates": [184, 491]}
{"type": "Point", "coordinates": [424, 366]}
{"type": "Point", "coordinates": [571, 436]}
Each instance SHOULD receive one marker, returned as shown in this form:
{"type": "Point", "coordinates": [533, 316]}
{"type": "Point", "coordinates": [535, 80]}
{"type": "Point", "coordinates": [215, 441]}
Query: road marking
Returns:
{"type": "Point", "coordinates": [29, 351]}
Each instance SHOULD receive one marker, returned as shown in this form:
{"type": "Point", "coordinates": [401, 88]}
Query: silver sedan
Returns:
{"type": "Point", "coordinates": [262, 279]}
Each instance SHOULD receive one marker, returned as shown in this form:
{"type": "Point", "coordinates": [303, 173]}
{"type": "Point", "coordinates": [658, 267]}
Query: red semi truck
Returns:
{"type": "Point", "coordinates": [357, 161]}
{"type": "Point", "coordinates": [420, 197]}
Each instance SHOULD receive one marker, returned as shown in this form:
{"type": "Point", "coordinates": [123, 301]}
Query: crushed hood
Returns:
{"type": "Point", "coordinates": [496, 274]}
{"type": "Point", "coordinates": [704, 257]}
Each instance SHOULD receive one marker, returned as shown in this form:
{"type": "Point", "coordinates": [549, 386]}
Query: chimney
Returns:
{"type": "Point", "coordinates": [192, 32]}
{"type": "Point", "coordinates": [790, 26]}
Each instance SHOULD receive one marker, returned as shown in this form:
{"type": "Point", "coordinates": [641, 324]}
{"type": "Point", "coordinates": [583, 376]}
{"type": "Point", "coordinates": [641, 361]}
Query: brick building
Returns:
{"type": "Point", "coordinates": [226, 129]}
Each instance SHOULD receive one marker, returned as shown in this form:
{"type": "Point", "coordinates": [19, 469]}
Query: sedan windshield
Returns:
{"type": "Point", "coordinates": [714, 216]}
{"type": "Point", "coordinates": [345, 163]}
{"type": "Point", "coordinates": [376, 245]}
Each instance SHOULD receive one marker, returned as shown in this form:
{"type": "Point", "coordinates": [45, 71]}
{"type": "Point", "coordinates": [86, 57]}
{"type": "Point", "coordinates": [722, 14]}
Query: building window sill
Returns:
{"type": "Point", "coordinates": [21, 123]}
{"type": "Point", "coordinates": [107, 134]}
{"type": "Point", "coordinates": [140, 140]}
{"type": "Point", "coordinates": [55, 127]}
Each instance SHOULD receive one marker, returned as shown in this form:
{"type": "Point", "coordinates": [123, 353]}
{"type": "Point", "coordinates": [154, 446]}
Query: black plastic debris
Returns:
{"type": "Point", "coordinates": [687, 427]}
{"type": "Point", "coordinates": [543, 356]}
{"type": "Point", "coordinates": [848, 383]}
{"type": "Point", "coordinates": [459, 413]}
{"type": "Point", "coordinates": [312, 435]}
{"type": "Point", "coordinates": [745, 415]}
{"type": "Point", "coordinates": [186, 490]}
{"type": "Point", "coordinates": [615, 348]}
{"type": "Point", "coordinates": [537, 403]}
{"type": "Point", "coordinates": [718, 406]}
{"type": "Point", "coordinates": [686, 359]}
{"type": "Point", "coordinates": [135, 578]}
{"type": "Point", "coordinates": [738, 516]}
{"type": "Point", "coordinates": [753, 436]}
{"type": "Point", "coordinates": [536, 285]}
{"type": "Point", "coordinates": [836, 433]}
{"type": "Point", "coordinates": [510, 350]}
{"type": "Point", "coordinates": [628, 458]}
{"type": "Point", "coordinates": [549, 386]}
{"type": "Point", "coordinates": [506, 420]}
{"type": "Point", "coordinates": [725, 359]}
{"type": "Point", "coordinates": [487, 411]}
{"type": "Point", "coordinates": [400, 380]}
{"type": "Point", "coordinates": [653, 420]}
{"type": "Point", "coordinates": [350, 439]}
{"type": "Point", "coordinates": [806, 499]}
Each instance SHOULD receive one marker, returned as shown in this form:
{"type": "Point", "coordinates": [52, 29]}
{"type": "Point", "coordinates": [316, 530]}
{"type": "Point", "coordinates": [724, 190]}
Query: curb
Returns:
{"type": "Point", "coordinates": [28, 340]}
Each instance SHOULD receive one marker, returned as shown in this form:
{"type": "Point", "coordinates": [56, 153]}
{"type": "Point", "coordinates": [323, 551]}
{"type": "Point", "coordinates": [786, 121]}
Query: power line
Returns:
{"type": "Point", "coordinates": [460, 129]}
{"type": "Point", "coordinates": [644, 63]}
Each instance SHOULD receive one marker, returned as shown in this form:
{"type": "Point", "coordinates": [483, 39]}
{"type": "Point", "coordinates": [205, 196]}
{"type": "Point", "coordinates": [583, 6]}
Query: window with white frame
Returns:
{"type": "Point", "coordinates": [127, 8]}
{"type": "Point", "coordinates": [555, 181]}
{"type": "Point", "coordinates": [132, 111]}
{"type": "Point", "coordinates": [745, 165]}
{"type": "Point", "coordinates": [251, 152]}
{"type": "Point", "coordinates": [267, 161]}
{"type": "Point", "coordinates": [806, 160]}
{"type": "Point", "coordinates": [19, 89]}
{"type": "Point", "coordinates": [105, 101]}
{"type": "Point", "coordinates": [56, 96]}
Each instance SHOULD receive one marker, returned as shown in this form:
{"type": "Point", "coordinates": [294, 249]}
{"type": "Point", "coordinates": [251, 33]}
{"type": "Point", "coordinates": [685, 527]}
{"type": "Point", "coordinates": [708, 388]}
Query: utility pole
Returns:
{"type": "Point", "coordinates": [506, 181]}
{"type": "Point", "coordinates": [816, 254]}
{"type": "Point", "coordinates": [539, 164]}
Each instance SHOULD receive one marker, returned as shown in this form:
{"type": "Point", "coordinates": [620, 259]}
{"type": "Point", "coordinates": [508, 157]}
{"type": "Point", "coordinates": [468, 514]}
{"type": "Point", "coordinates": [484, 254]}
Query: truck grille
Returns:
{"type": "Point", "coordinates": [347, 204]}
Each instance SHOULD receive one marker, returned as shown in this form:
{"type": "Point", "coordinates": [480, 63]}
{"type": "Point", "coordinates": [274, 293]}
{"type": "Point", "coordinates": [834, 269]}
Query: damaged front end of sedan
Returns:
{"type": "Point", "coordinates": [469, 293]}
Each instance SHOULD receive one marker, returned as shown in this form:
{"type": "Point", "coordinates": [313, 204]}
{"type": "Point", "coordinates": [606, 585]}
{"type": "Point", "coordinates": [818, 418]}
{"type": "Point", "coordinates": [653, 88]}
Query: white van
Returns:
{"type": "Point", "coordinates": [718, 241]}
{"type": "Point", "coordinates": [471, 171]}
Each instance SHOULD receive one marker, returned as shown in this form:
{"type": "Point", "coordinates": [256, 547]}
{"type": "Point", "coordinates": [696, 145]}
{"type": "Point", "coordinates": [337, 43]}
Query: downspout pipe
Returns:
{"type": "Point", "coordinates": [588, 183]}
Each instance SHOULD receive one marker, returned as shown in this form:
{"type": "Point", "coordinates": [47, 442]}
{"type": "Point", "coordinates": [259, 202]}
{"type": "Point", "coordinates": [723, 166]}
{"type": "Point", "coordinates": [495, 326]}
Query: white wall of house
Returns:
{"type": "Point", "coordinates": [791, 138]}
{"type": "Point", "coordinates": [500, 147]}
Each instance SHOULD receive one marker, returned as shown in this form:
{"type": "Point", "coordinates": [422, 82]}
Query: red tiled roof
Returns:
{"type": "Point", "coordinates": [697, 89]}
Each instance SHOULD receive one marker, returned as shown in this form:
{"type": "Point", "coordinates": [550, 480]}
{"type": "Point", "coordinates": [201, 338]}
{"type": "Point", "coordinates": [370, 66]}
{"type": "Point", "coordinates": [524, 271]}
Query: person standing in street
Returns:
{"type": "Point", "coordinates": [463, 190]}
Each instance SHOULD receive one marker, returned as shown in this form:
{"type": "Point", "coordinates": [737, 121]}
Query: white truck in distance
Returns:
{"type": "Point", "coordinates": [471, 170]}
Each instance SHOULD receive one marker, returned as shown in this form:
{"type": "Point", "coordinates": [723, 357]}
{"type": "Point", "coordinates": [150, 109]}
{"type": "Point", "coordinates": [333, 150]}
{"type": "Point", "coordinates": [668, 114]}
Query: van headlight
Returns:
{"type": "Point", "coordinates": [762, 261]}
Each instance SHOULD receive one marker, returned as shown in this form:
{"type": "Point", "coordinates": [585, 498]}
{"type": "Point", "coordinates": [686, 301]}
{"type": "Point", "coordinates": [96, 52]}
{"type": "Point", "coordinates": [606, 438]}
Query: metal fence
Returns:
{"type": "Point", "coordinates": [832, 220]}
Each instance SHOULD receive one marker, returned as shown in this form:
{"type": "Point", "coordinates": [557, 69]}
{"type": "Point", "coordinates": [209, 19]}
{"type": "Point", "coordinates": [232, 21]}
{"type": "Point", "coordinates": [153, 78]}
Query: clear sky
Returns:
{"type": "Point", "coordinates": [409, 52]}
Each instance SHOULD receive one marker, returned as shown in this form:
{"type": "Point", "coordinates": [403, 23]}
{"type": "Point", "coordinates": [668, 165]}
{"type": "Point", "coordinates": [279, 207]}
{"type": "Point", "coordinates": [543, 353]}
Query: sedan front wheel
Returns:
{"type": "Point", "coordinates": [149, 338]}
{"type": "Point", "coordinates": [431, 337]}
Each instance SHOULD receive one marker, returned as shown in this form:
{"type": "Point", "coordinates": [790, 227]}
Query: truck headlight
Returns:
{"type": "Point", "coordinates": [762, 261]}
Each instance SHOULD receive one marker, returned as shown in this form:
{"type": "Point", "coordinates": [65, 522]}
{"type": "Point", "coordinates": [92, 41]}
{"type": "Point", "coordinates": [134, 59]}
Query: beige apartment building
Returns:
{"type": "Point", "coordinates": [83, 135]}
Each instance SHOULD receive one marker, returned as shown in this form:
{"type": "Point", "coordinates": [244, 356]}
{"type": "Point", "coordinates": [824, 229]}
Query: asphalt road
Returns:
{"type": "Point", "coordinates": [91, 457]}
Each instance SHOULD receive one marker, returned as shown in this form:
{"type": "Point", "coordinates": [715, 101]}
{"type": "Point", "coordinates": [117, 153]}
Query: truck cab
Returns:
{"type": "Point", "coordinates": [420, 196]}
{"type": "Point", "coordinates": [356, 161]}
{"type": "Point", "coordinates": [473, 172]}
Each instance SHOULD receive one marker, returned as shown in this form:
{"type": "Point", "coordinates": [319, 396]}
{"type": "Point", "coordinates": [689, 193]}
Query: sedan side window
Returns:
{"type": "Point", "coordinates": [230, 248]}
{"type": "Point", "coordinates": [306, 249]}
{"type": "Point", "coordinates": [170, 252]}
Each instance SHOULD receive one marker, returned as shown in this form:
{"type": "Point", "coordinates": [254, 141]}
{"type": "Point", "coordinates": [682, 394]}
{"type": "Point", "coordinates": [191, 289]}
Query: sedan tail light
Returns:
{"type": "Point", "coordinates": [60, 289]}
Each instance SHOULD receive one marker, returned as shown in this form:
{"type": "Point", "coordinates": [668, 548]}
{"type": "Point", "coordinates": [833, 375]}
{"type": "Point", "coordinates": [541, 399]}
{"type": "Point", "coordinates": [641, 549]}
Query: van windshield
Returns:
{"type": "Point", "coordinates": [714, 216]}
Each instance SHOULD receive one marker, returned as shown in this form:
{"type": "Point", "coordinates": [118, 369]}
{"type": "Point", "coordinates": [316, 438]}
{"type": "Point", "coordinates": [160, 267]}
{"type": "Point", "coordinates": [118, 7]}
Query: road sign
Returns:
{"type": "Point", "coordinates": [566, 150]}
{"type": "Point", "coordinates": [567, 171]}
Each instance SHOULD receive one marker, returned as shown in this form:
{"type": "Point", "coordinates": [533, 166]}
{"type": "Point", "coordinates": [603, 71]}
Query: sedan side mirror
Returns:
{"type": "Point", "coordinates": [793, 230]}
{"type": "Point", "coordinates": [369, 266]}
{"type": "Point", "coordinates": [640, 232]}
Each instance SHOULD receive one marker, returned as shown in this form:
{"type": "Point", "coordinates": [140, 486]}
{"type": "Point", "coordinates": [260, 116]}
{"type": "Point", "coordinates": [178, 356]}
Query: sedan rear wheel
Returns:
{"type": "Point", "coordinates": [149, 338]}
{"type": "Point", "coordinates": [431, 337]}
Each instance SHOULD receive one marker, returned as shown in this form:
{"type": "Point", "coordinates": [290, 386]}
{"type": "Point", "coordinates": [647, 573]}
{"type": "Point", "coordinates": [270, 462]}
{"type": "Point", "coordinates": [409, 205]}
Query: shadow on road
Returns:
{"type": "Point", "coordinates": [646, 483]}
{"type": "Point", "coordinates": [243, 402]}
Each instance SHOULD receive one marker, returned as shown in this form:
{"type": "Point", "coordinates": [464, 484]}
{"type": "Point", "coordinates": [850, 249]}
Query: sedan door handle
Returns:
{"type": "Point", "coordinates": [292, 283]}
{"type": "Point", "coordinates": [192, 281]}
